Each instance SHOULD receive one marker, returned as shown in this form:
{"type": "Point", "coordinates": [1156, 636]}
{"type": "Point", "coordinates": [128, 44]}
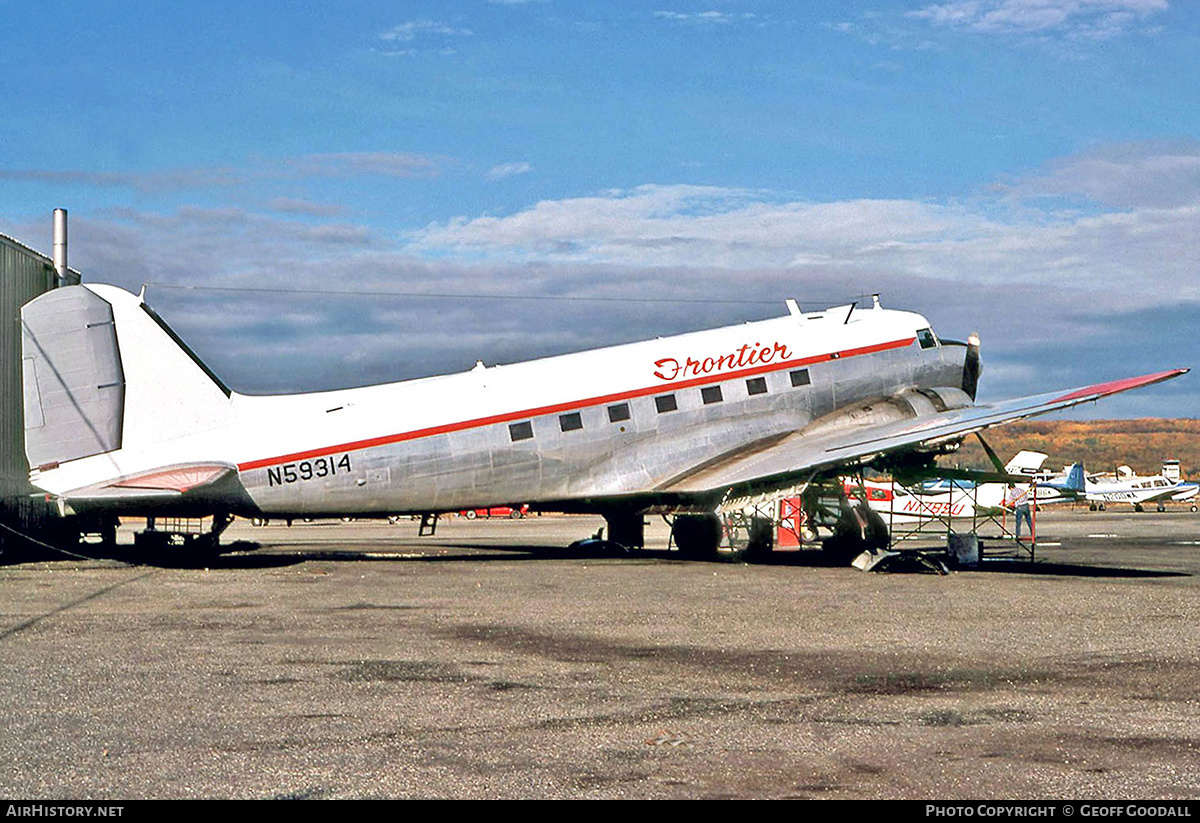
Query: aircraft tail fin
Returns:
{"type": "Point", "coordinates": [1074, 481]}
{"type": "Point", "coordinates": [101, 372]}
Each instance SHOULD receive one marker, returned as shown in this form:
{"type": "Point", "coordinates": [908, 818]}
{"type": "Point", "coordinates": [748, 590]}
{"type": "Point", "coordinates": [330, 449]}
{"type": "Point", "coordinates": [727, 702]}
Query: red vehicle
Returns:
{"type": "Point", "coordinates": [496, 511]}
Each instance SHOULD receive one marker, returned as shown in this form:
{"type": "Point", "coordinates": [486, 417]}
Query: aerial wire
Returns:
{"type": "Point", "coordinates": [460, 296]}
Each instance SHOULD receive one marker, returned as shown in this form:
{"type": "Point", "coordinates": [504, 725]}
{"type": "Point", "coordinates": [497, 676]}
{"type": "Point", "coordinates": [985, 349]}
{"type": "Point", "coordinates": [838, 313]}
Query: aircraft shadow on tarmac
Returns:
{"type": "Point", "coordinates": [476, 553]}
{"type": "Point", "coordinates": [1042, 567]}
{"type": "Point", "coordinates": [244, 555]}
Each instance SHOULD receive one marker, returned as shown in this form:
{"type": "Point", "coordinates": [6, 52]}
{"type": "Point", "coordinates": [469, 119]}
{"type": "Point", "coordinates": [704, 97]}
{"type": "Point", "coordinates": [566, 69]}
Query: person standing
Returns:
{"type": "Point", "coordinates": [1018, 500]}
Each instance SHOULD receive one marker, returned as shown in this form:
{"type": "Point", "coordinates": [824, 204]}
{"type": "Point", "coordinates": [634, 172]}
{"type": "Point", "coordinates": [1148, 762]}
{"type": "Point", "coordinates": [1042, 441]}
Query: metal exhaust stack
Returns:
{"type": "Point", "coordinates": [60, 245]}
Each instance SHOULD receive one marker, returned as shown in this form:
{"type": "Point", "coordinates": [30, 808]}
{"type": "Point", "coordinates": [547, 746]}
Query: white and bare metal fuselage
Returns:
{"type": "Point", "coordinates": [573, 432]}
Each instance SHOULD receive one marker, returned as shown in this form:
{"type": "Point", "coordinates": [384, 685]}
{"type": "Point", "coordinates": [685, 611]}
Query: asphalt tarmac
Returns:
{"type": "Point", "coordinates": [357, 660]}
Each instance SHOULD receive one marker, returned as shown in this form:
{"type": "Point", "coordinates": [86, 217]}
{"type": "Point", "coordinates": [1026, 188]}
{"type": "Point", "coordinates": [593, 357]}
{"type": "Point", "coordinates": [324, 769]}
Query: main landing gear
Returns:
{"type": "Point", "coordinates": [858, 529]}
{"type": "Point", "coordinates": [697, 536]}
{"type": "Point", "coordinates": [745, 536]}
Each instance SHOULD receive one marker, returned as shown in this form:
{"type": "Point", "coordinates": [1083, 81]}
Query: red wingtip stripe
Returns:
{"type": "Point", "coordinates": [1114, 386]}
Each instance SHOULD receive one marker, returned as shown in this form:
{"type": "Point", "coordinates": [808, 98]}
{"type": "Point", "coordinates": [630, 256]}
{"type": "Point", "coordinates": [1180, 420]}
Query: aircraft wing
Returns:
{"type": "Point", "coordinates": [800, 455]}
{"type": "Point", "coordinates": [1185, 491]}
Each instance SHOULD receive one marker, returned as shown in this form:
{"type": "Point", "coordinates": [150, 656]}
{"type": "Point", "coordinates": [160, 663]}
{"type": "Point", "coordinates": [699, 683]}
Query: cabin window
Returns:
{"type": "Point", "coordinates": [618, 413]}
{"type": "Point", "coordinates": [926, 339]}
{"type": "Point", "coordinates": [711, 394]}
{"type": "Point", "coordinates": [756, 385]}
{"type": "Point", "coordinates": [570, 422]}
{"type": "Point", "coordinates": [665, 403]}
{"type": "Point", "coordinates": [520, 431]}
{"type": "Point", "coordinates": [800, 378]}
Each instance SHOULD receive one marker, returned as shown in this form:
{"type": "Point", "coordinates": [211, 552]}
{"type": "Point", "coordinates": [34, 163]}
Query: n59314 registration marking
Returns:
{"type": "Point", "coordinates": [308, 470]}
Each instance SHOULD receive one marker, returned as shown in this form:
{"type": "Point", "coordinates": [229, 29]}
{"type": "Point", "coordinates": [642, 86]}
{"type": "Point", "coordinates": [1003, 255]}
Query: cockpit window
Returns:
{"type": "Point", "coordinates": [926, 338]}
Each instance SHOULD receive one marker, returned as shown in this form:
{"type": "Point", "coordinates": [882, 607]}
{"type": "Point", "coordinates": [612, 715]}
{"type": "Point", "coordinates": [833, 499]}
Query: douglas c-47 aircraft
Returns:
{"type": "Point", "coordinates": [122, 419]}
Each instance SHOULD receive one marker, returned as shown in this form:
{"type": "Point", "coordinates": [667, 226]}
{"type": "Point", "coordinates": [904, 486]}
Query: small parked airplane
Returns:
{"type": "Point", "coordinates": [123, 419]}
{"type": "Point", "coordinates": [954, 498]}
{"type": "Point", "coordinates": [1025, 469]}
{"type": "Point", "coordinates": [1137, 490]}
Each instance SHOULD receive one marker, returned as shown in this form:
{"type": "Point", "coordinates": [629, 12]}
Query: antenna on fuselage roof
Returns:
{"type": "Point", "coordinates": [875, 301]}
{"type": "Point", "coordinates": [793, 307]}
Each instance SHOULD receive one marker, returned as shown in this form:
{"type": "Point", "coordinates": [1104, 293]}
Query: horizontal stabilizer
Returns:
{"type": "Point", "coordinates": [170, 488]}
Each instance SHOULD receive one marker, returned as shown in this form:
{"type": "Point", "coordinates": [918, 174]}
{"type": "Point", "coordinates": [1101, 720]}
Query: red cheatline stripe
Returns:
{"type": "Point", "coordinates": [1114, 386]}
{"type": "Point", "coordinates": [573, 405]}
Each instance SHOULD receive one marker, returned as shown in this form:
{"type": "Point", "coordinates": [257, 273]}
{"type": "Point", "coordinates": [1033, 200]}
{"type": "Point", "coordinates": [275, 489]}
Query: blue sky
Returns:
{"type": "Point", "coordinates": [288, 177]}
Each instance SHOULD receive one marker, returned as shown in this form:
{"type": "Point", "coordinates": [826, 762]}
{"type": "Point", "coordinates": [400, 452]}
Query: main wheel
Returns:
{"type": "Point", "coordinates": [697, 535]}
{"type": "Point", "coordinates": [761, 540]}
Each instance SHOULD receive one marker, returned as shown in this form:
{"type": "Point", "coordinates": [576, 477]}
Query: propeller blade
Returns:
{"type": "Point", "coordinates": [972, 366]}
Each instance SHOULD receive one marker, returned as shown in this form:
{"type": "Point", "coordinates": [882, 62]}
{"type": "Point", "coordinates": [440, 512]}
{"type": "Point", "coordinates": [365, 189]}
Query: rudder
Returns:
{"type": "Point", "coordinates": [102, 373]}
{"type": "Point", "coordinates": [74, 387]}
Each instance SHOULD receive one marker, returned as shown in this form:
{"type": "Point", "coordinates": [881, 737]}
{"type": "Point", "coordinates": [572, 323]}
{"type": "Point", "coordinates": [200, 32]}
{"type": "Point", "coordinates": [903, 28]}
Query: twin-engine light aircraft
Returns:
{"type": "Point", "coordinates": [123, 419]}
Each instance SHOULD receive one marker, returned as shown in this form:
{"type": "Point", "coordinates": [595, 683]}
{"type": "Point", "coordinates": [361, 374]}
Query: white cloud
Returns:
{"type": "Point", "coordinates": [1128, 233]}
{"type": "Point", "coordinates": [718, 17]}
{"type": "Point", "coordinates": [377, 163]}
{"type": "Point", "coordinates": [152, 182]}
{"type": "Point", "coordinates": [508, 170]}
{"type": "Point", "coordinates": [416, 37]}
{"type": "Point", "coordinates": [1133, 175]}
{"type": "Point", "coordinates": [1104, 288]}
{"type": "Point", "coordinates": [411, 30]}
{"type": "Point", "coordinates": [330, 165]}
{"type": "Point", "coordinates": [1090, 19]}
{"type": "Point", "coordinates": [713, 228]}
{"type": "Point", "coordinates": [292, 205]}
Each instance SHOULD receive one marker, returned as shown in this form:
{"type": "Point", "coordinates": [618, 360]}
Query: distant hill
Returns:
{"type": "Point", "coordinates": [1098, 444]}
